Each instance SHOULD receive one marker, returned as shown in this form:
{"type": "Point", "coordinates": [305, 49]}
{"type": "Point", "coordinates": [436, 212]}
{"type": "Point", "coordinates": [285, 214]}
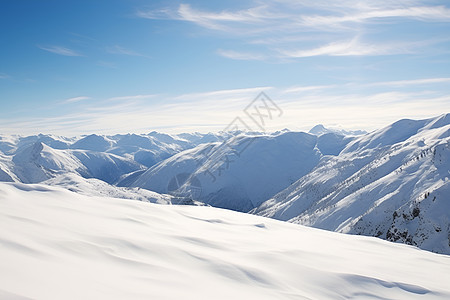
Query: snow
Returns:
{"type": "Point", "coordinates": [320, 130]}
{"type": "Point", "coordinates": [392, 183]}
{"type": "Point", "coordinates": [96, 187]}
{"type": "Point", "coordinates": [240, 174]}
{"type": "Point", "coordinates": [56, 244]}
{"type": "Point", "coordinates": [106, 166]}
{"type": "Point", "coordinates": [94, 142]}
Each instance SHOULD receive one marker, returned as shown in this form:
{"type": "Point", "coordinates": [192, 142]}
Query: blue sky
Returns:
{"type": "Point", "coordinates": [79, 67]}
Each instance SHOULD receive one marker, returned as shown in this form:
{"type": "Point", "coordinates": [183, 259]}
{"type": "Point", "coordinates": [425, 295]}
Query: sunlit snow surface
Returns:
{"type": "Point", "coordinates": [55, 244]}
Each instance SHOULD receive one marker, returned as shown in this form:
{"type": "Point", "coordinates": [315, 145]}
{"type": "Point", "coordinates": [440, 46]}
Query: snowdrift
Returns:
{"type": "Point", "coordinates": [56, 244]}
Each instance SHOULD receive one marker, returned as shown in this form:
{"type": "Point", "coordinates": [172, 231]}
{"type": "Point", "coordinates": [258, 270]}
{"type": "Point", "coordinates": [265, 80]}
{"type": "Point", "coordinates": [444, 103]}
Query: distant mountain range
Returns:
{"type": "Point", "coordinates": [391, 183]}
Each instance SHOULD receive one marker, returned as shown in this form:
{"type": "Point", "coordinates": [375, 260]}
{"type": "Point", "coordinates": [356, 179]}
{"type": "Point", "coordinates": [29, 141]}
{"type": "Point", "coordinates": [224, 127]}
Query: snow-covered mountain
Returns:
{"type": "Point", "coordinates": [39, 162]}
{"type": "Point", "coordinates": [96, 187]}
{"type": "Point", "coordinates": [37, 158]}
{"type": "Point", "coordinates": [95, 162]}
{"type": "Point", "coordinates": [320, 129]}
{"type": "Point", "coordinates": [56, 244]}
{"type": "Point", "coordinates": [392, 183]}
{"type": "Point", "coordinates": [240, 173]}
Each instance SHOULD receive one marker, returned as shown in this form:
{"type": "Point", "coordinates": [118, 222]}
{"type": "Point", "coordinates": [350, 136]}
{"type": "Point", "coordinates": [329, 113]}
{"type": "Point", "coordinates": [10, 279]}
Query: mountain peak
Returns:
{"type": "Point", "coordinates": [319, 129]}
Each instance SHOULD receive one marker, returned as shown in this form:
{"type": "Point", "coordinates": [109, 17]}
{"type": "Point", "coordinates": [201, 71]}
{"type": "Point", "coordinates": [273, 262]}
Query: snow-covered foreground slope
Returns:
{"type": "Point", "coordinates": [392, 183]}
{"type": "Point", "coordinates": [99, 188]}
{"type": "Point", "coordinates": [55, 244]}
{"type": "Point", "coordinates": [96, 187]}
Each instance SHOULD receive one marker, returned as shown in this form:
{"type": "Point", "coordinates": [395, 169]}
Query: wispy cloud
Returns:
{"type": "Point", "coordinates": [282, 14]}
{"type": "Point", "coordinates": [212, 20]}
{"type": "Point", "coordinates": [4, 76]}
{"type": "Point", "coordinates": [422, 13]}
{"type": "Point", "coordinates": [224, 94]}
{"type": "Point", "coordinates": [75, 99]}
{"type": "Point", "coordinates": [303, 106]}
{"type": "Point", "coordinates": [132, 97]}
{"type": "Point", "coordinates": [311, 88]}
{"type": "Point", "coordinates": [237, 55]}
{"type": "Point", "coordinates": [123, 51]}
{"type": "Point", "coordinates": [59, 50]}
{"type": "Point", "coordinates": [401, 83]}
{"type": "Point", "coordinates": [285, 25]}
{"type": "Point", "coordinates": [351, 47]}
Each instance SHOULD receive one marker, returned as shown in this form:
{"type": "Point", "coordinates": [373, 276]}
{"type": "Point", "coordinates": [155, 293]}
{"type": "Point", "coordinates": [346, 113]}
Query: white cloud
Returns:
{"type": "Point", "coordinates": [311, 88]}
{"type": "Point", "coordinates": [60, 50]}
{"type": "Point", "coordinates": [132, 97]}
{"type": "Point", "coordinates": [423, 13]}
{"type": "Point", "coordinates": [352, 47]}
{"type": "Point", "coordinates": [76, 99]}
{"type": "Point", "coordinates": [351, 105]}
{"type": "Point", "coordinates": [297, 14]}
{"type": "Point", "coordinates": [400, 83]}
{"type": "Point", "coordinates": [224, 94]}
{"type": "Point", "coordinates": [225, 20]}
{"type": "Point", "coordinates": [285, 25]}
{"type": "Point", "coordinates": [236, 55]}
{"type": "Point", "coordinates": [212, 20]}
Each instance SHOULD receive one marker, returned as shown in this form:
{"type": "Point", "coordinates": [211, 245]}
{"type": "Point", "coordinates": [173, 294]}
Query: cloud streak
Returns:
{"type": "Point", "coordinates": [351, 47]}
{"type": "Point", "coordinates": [421, 13]}
{"type": "Point", "coordinates": [59, 50]}
{"type": "Point", "coordinates": [133, 97]}
{"type": "Point", "coordinates": [303, 106]}
{"type": "Point", "coordinates": [123, 51]}
{"type": "Point", "coordinates": [76, 99]}
{"type": "Point", "coordinates": [236, 55]}
{"type": "Point", "coordinates": [283, 14]}
{"type": "Point", "coordinates": [283, 25]}
{"type": "Point", "coordinates": [401, 83]}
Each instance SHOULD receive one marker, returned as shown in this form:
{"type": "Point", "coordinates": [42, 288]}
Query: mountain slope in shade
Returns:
{"type": "Point", "coordinates": [93, 142]}
{"type": "Point", "coordinates": [56, 244]}
{"type": "Point", "coordinates": [106, 166]}
{"type": "Point", "coordinates": [242, 173]}
{"type": "Point", "coordinates": [392, 183]}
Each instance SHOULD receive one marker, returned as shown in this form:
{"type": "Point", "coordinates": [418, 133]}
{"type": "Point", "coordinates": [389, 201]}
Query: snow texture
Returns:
{"type": "Point", "coordinates": [392, 183]}
{"type": "Point", "coordinates": [57, 244]}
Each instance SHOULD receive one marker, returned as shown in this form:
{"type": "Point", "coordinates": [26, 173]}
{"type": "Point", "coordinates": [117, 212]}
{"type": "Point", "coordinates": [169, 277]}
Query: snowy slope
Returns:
{"type": "Point", "coordinates": [5, 173]}
{"type": "Point", "coordinates": [32, 159]}
{"type": "Point", "coordinates": [160, 145]}
{"type": "Point", "coordinates": [56, 244]}
{"type": "Point", "coordinates": [106, 166]}
{"type": "Point", "coordinates": [93, 142]}
{"type": "Point", "coordinates": [11, 144]}
{"type": "Point", "coordinates": [240, 174]}
{"type": "Point", "coordinates": [39, 162]}
{"type": "Point", "coordinates": [99, 188]}
{"type": "Point", "coordinates": [392, 183]}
